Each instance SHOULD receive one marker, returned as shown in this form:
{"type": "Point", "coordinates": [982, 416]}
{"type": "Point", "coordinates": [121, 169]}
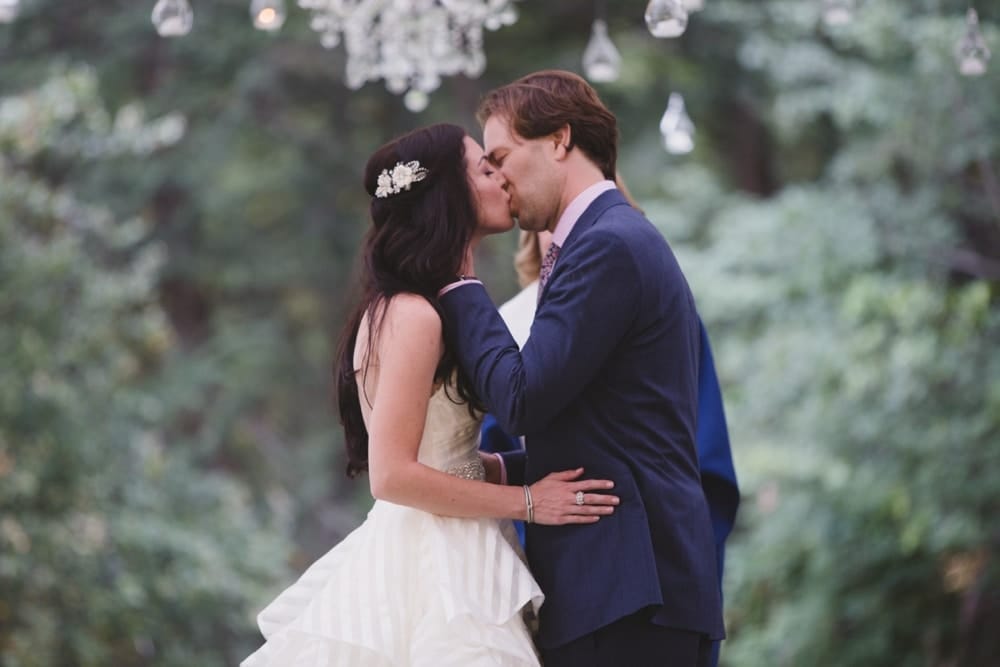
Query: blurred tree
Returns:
{"type": "Point", "coordinates": [839, 221]}
{"type": "Point", "coordinates": [116, 548]}
{"type": "Point", "coordinates": [859, 306]}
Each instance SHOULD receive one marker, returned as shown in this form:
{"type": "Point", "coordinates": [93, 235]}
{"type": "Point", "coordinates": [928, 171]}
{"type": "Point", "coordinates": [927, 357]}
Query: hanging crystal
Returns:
{"type": "Point", "coordinates": [693, 6]}
{"type": "Point", "coordinates": [666, 18]}
{"type": "Point", "coordinates": [601, 61]}
{"type": "Point", "coordinates": [409, 44]}
{"type": "Point", "coordinates": [268, 15]}
{"type": "Point", "coordinates": [9, 10]}
{"type": "Point", "coordinates": [971, 51]}
{"type": "Point", "coordinates": [837, 12]}
{"type": "Point", "coordinates": [676, 127]}
{"type": "Point", "coordinates": [416, 100]}
{"type": "Point", "coordinates": [173, 18]}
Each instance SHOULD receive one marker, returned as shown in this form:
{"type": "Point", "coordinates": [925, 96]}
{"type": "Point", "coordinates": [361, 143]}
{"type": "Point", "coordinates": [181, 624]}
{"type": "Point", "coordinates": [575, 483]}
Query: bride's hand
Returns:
{"type": "Point", "coordinates": [554, 498]}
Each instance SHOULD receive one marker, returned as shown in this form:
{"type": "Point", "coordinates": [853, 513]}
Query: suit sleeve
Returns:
{"type": "Point", "coordinates": [514, 462]}
{"type": "Point", "coordinates": [591, 301]}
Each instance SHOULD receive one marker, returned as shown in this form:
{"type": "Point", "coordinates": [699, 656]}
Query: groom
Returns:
{"type": "Point", "coordinates": [607, 381]}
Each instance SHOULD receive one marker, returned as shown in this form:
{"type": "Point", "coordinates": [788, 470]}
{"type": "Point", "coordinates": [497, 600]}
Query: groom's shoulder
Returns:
{"type": "Point", "coordinates": [630, 226]}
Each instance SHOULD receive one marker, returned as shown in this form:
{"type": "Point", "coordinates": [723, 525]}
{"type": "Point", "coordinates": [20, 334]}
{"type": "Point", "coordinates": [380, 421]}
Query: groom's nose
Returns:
{"type": "Point", "coordinates": [498, 176]}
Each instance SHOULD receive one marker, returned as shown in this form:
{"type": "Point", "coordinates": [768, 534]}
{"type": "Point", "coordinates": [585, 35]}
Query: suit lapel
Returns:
{"type": "Point", "coordinates": [587, 220]}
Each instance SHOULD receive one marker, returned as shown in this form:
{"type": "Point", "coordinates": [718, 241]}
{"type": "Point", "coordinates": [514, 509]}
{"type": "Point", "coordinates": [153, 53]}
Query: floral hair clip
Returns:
{"type": "Point", "coordinates": [400, 178]}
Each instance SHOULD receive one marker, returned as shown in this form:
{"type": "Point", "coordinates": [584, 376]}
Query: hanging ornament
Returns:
{"type": "Point", "coordinates": [676, 127]}
{"type": "Point", "coordinates": [173, 18]}
{"type": "Point", "coordinates": [971, 51]}
{"type": "Point", "coordinates": [693, 6]}
{"type": "Point", "coordinates": [268, 15]}
{"type": "Point", "coordinates": [9, 10]}
{"type": "Point", "coordinates": [666, 18]}
{"type": "Point", "coordinates": [837, 12]}
{"type": "Point", "coordinates": [601, 61]}
{"type": "Point", "coordinates": [416, 100]}
{"type": "Point", "coordinates": [408, 44]}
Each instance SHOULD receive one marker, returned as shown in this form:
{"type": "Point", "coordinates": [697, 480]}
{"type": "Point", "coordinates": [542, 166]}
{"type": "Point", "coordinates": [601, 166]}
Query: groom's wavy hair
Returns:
{"type": "Point", "coordinates": [539, 104]}
{"type": "Point", "coordinates": [416, 245]}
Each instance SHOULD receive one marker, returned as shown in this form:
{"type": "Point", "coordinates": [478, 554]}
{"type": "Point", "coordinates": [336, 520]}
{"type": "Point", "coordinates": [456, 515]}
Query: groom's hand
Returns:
{"type": "Point", "coordinates": [559, 500]}
{"type": "Point", "coordinates": [494, 467]}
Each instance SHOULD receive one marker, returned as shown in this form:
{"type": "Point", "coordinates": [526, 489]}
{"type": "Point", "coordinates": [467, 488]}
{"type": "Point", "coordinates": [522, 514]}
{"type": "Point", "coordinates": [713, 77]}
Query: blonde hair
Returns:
{"type": "Point", "coordinates": [528, 258]}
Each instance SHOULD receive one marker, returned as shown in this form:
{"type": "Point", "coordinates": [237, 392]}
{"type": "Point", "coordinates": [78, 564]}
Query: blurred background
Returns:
{"type": "Point", "coordinates": [179, 219]}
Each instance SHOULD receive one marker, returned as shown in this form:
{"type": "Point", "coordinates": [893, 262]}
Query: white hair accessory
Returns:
{"type": "Point", "coordinates": [400, 178]}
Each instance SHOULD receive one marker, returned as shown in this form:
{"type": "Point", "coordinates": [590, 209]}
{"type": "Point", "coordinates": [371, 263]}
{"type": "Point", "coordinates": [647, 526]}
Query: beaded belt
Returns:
{"type": "Point", "coordinates": [472, 469]}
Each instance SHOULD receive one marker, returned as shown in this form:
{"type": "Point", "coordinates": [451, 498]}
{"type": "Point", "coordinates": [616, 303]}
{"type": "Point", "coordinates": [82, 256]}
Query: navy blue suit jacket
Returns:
{"type": "Point", "coordinates": [607, 380]}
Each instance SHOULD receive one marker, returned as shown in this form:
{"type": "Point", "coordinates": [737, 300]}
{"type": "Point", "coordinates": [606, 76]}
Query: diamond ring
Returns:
{"type": "Point", "coordinates": [579, 497]}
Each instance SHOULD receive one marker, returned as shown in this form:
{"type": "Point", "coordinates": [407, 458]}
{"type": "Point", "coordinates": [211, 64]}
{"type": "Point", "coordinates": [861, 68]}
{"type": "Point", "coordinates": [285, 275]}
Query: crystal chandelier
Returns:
{"type": "Point", "coordinates": [410, 44]}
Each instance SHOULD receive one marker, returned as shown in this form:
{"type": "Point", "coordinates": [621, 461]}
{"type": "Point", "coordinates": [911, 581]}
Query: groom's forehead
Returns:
{"type": "Point", "coordinates": [499, 136]}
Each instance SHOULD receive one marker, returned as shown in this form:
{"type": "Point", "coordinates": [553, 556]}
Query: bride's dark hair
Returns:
{"type": "Point", "coordinates": [416, 245]}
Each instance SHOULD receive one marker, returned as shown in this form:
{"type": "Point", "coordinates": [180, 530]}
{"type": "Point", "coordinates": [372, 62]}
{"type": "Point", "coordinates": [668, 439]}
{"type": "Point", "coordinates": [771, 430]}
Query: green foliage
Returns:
{"type": "Point", "coordinates": [173, 274]}
{"type": "Point", "coordinates": [856, 317]}
{"type": "Point", "coordinates": [114, 547]}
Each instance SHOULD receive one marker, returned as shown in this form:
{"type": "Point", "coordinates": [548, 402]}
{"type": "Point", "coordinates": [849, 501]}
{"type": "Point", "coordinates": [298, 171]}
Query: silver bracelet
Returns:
{"type": "Point", "coordinates": [529, 503]}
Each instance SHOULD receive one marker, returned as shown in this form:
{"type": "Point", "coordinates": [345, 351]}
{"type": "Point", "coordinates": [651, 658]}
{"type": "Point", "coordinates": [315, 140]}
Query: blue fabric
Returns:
{"type": "Point", "coordinates": [607, 380]}
{"type": "Point", "coordinates": [495, 439]}
{"type": "Point", "coordinates": [715, 458]}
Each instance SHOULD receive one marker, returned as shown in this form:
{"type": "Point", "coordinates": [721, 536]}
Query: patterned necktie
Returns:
{"type": "Point", "coordinates": [547, 263]}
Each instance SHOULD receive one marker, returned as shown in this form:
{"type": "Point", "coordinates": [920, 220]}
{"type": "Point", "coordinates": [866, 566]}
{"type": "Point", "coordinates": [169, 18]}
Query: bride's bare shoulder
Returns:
{"type": "Point", "coordinates": [411, 314]}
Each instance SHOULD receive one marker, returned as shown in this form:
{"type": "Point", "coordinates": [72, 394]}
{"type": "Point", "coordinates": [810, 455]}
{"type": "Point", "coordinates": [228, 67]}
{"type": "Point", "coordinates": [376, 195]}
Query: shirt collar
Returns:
{"type": "Point", "coordinates": [576, 208]}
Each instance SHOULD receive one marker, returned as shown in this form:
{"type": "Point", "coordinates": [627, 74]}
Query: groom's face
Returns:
{"type": "Point", "coordinates": [528, 170]}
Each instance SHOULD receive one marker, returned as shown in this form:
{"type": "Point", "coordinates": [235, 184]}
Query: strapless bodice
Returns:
{"type": "Point", "coordinates": [450, 441]}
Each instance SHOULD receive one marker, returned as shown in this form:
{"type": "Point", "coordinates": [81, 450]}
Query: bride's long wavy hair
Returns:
{"type": "Point", "coordinates": [416, 245]}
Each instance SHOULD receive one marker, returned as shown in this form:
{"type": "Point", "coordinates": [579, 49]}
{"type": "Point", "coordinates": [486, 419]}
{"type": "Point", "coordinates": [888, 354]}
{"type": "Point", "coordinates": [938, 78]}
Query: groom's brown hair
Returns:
{"type": "Point", "coordinates": [539, 104]}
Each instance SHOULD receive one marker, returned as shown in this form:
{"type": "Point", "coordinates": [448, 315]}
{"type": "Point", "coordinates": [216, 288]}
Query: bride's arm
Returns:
{"type": "Point", "coordinates": [409, 348]}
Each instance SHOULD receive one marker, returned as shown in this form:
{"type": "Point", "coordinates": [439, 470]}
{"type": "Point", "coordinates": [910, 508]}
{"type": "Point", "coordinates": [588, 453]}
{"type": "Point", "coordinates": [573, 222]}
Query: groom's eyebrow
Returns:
{"type": "Point", "coordinates": [489, 158]}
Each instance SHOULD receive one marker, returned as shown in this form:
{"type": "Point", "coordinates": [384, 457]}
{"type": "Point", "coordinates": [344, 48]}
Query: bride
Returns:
{"type": "Point", "coordinates": [434, 575]}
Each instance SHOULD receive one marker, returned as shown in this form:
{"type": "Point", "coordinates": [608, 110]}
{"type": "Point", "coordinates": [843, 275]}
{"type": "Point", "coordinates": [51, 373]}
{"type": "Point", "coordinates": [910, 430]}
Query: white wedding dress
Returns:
{"type": "Point", "coordinates": [411, 588]}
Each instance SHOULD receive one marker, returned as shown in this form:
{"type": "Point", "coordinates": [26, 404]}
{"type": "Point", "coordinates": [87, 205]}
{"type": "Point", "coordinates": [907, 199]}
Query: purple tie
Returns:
{"type": "Point", "coordinates": [547, 263]}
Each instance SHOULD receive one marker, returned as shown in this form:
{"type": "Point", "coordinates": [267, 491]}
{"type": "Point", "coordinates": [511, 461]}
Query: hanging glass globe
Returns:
{"type": "Point", "coordinates": [268, 15]}
{"type": "Point", "coordinates": [676, 127]}
{"type": "Point", "coordinates": [601, 60]}
{"type": "Point", "coordinates": [971, 51]}
{"type": "Point", "coordinates": [838, 12]}
{"type": "Point", "coordinates": [666, 18]}
{"type": "Point", "coordinates": [173, 18]}
{"type": "Point", "coordinates": [9, 9]}
{"type": "Point", "coordinates": [693, 5]}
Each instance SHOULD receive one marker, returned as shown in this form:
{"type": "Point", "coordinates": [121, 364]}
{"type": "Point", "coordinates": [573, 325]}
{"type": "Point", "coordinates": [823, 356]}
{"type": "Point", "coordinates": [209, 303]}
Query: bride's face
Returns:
{"type": "Point", "coordinates": [492, 200]}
